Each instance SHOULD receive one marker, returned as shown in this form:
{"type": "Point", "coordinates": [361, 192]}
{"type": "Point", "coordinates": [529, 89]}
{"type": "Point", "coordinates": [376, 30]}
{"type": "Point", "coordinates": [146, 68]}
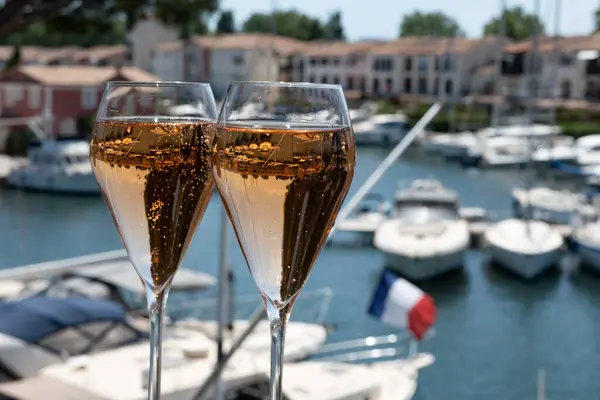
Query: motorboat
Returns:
{"type": "Point", "coordinates": [450, 145]}
{"type": "Point", "coordinates": [524, 247]}
{"type": "Point", "coordinates": [582, 160]}
{"type": "Point", "coordinates": [188, 361]}
{"type": "Point", "coordinates": [585, 241]}
{"type": "Point", "coordinates": [557, 207]}
{"type": "Point", "coordinates": [425, 235]}
{"type": "Point", "coordinates": [110, 277]}
{"type": "Point", "coordinates": [381, 129]}
{"type": "Point", "coordinates": [568, 151]}
{"type": "Point", "coordinates": [360, 225]}
{"type": "Point", "coordinates": [57, 166]}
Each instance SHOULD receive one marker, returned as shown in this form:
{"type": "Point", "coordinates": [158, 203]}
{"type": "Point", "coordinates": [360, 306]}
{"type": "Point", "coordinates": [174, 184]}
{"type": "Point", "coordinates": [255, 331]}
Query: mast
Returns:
{"type": "Point", "coordinates": [534, 65]}
{"type": "Point", "coordinates": [498, 67]}
{"type": "Point", "coordinates": [555, 60]}
{"type": "Point", "coordinates": [452, 64]}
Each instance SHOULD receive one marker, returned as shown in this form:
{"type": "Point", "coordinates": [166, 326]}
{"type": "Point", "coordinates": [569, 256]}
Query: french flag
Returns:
{"type": "Point", "coordinates": [399, 303]}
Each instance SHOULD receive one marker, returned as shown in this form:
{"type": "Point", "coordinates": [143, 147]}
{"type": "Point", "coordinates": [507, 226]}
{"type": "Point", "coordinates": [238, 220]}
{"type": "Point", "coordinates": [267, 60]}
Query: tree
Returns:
{"type": "Point", "coordinates": [519, 25]}
{"type": "Point", "coordinates": [430, 24]}
{"type": "Point", "coordinates": [333, 29]}
{"type": "Point", "coordinates": [285, 23]}
{"type": "Point", "coordinates": [597, 20]}
{"type": "Point", "coordinates": [226, 23]}
{"type": "Point", "coordinates": [15, 58]}
{"type": "Point", "coordinates": [88, 22]}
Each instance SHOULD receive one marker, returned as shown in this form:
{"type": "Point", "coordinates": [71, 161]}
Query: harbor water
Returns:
{"type": "Point", "coordinates": [493, 333]}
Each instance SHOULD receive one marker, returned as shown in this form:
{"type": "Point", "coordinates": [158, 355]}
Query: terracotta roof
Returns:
{"type": "Point", "coordinates": [99, 52]}
{"type": "Point", "coordinates": [430, 45]}
{"type": "Point", "coordinates": [68, 75]}
{"type": "Point", "coordinates": [169, 46]}
{"type": "Point", "coordinates": [546, 44]}
{"type": "Point", "coordinates": [28, 53]}
{"type": "Point", "coordinates": [247, 41]}
{"type": "Point", "coordinates": [338, 48]}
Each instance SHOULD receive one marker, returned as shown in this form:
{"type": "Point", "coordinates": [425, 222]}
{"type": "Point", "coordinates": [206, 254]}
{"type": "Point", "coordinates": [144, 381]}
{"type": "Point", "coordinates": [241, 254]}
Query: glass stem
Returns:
{"type": "Point", "coordinates": [156, 308]}
{"type": "Point", "coordinates": [277, 322]}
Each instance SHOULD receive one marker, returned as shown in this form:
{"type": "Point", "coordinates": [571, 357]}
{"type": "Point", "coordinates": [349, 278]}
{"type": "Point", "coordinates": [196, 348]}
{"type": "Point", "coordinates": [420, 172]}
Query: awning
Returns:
{"type": "Point", "coordinates": [120, 273]}
{"type": "Point", "coordinates": [42, 387]}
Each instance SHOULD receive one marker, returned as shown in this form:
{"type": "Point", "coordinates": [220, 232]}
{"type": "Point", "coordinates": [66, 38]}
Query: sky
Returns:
{"type": "Point", "coordinates": [380, 19]}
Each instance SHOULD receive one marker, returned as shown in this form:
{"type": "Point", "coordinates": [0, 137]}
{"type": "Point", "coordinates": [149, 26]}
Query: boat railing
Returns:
{"type": "Point", "coordinates": [370, 348]}
{"type": "Point", "coordinates": [311, 306]}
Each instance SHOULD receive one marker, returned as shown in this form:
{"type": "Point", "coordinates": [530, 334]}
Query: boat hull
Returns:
{"type": "Point", "coordinates": [527, 266]}
{"type": "Point", "coordinates": [422, 268]}
{"type": "Point", "coordinates": [50, 181]}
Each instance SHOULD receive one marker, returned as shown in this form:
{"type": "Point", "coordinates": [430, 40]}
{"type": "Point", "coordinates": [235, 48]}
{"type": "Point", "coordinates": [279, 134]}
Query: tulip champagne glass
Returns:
{"type": "Point", "coordinates": [284, 158]}
{"type": "Point", "coordinates": [150, 152]}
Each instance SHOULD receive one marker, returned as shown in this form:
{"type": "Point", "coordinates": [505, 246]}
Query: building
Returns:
{"type": "Point", "coordinates": [341, 63]}
{"type": "Point", "coordinates": [222, 59]}
{"type": "Point", "coordinates": [559, 70]}
{"type": "Point", "coordinates": [145, 35]}
{"type": "Point", "coordinates": [59, 96]}
{"type": "Point", "coordinates": [111, 55]}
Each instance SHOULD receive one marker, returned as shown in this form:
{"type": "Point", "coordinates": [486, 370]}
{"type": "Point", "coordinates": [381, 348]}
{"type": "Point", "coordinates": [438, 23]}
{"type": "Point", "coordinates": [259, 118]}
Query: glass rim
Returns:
{"type": "Point", "coordinates": [156, 84]}
{"type": "Point", "coordinates": [284, 84]}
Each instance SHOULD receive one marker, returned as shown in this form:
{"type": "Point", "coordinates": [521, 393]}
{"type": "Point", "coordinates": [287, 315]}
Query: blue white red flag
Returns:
{"type": "Point", "coordinates": [399, 303]}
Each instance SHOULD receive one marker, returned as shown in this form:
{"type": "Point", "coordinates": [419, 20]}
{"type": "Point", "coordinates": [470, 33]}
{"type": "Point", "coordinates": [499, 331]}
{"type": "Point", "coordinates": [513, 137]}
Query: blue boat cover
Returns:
{"type": "Point", "coordinates": [34, 318]}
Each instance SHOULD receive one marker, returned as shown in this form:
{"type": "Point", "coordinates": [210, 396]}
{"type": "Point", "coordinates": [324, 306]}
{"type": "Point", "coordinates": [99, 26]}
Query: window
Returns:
{"type": "Point", "coordinates": [89, 97]}
{"type": "Point", "coordinates": [408, 64]}
{"type": "Point", "coordinates": [422, 85]}
{"type": "Point", "coordinates": [407, 85]}
{"type": "Point", "coordinates": [449, 88]}
{"type": "Point", "coordinates": [350, 83]}
{"type": "Point", "coordinates": [565, 60]}
{"type": "Point", "coordinates": [565, 89]}
{"type": "Point", "coordinates": [13, 93]}
{"type": "Point", "coordinates": [375, 85]}
{"type": "Point", "coordinates": [383, 64]}
{"type": "Point", "coordinates": [34, 96]}
{"type": "Point", "coordinates": [336, 80]}
{"type": "Point", "coordinates": [423, 63]}
{"type": "Point", "coordinates": [313, 62]}
{"type": "Point", "coordinates": [389, 84]}
{"type": "Point", "coordinates": [324, 61]}
{"type": "Point", "coordinates": [324, 79]}
{"type": "Point", "coordinates": [336, 61]}
{"type": "Point", "coordinates": [238, 59]}
{"type": "Point", "coordinates": [67, 126]}
{"type": "Point", "coordinates": [311, 79]}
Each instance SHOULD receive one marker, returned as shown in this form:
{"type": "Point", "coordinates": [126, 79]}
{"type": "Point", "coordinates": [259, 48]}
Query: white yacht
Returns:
{"type": "Point", "coordinates": [425, 236]}
{"type": "Point", "coordinates": [188, 360]}
{"type": "Point", "coordinates": [586, 243]}
{"type": "Point", "coordinates": [450, 145]}
{"type": "Point", "coordinates": [57, 166]}
{"type": "Point", "coordinates": [360, 226]}
{"type": "Point", "coordinates": [381, 129]}
{"type": "Point", "coordinates": [524, 247]}
{"type": "Point", "coordinates": [557, 207]}
{"type": "Point", "coordinates": [588, 147]}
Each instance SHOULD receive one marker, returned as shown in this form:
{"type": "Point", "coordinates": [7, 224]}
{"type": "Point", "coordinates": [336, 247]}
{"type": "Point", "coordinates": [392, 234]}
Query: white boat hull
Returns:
{"type": "Point", "coordinates": [526, 265]}
{"type": "Point", "coordinates": [587, 245]}
{"type": "Point", "coordinates": [525, 248]}
{"type": "Point", "coordinates": [422, 268]}
{"type": "Point", "coordinates": [54, 181]}
{"type": "Point", "coordinates": [420, 252]}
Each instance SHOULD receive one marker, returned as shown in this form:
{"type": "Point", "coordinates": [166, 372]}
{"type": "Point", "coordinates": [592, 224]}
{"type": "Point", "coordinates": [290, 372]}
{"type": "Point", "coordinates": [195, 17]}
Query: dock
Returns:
{"type": "Point", "coordinates": [363, 238]}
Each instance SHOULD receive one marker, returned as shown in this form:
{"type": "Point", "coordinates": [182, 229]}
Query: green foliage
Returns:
{"type": "Point", "coordinates": [597, 20]}
{"type": "Point", "coordinates": [85, 126]}
{"type": "Point", "coordinates": [226, 23]}
{"type": "Point", "coordinates": [333, 29]}
{"type": "Point", "coordinates": [430, 24]}
{"type": "Point", "coordinates": [285, 23]}
{"type": "Point", "coordinates": [519, 24]}
{"type": "Point", "coordinates": [579, 128]}
{"type": "Point", "coordinates": [15, 58]}
{"type": "Point", "coordinates": [91, 22]}
{"type": "Point", "coordinates": [18, 142]}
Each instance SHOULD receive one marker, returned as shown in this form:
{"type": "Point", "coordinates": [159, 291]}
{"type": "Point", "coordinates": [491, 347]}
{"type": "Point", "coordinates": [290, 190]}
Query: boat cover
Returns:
{"type": "Point", "coordinates": [34, 318]}
{"type": "Point", "coordinates": [41, 387]}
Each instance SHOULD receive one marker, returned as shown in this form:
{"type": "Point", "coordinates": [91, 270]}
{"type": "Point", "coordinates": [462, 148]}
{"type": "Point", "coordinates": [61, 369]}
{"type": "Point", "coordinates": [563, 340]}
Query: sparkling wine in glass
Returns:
{"type": "Point", "coordinates": [150, 153]}
{"type": "Point", "coordinates": [284, 159]}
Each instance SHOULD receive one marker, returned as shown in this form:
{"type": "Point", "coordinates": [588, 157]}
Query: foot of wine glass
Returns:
{"type": "Point", "coordinates": [156, 307]}
{"type": "Point", "coordinates": [278, 319]}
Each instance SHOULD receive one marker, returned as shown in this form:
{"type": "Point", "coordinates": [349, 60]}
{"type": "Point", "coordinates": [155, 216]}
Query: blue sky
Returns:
{"type": "Point", "coordinates": [381, 18]}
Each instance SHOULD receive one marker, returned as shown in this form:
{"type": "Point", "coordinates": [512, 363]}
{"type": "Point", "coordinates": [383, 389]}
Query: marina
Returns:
{"type": "Point", "coordinates": [473, 303]}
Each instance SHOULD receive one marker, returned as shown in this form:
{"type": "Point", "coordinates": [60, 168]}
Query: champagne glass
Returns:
{"type": "Point", "coordinates": [150, 153]}
{"type": "Point", "coordinates": [284, 159]}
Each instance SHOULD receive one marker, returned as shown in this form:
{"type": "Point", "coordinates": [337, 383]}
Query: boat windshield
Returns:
{"type": "Point", "coordinates": [422, 214]}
